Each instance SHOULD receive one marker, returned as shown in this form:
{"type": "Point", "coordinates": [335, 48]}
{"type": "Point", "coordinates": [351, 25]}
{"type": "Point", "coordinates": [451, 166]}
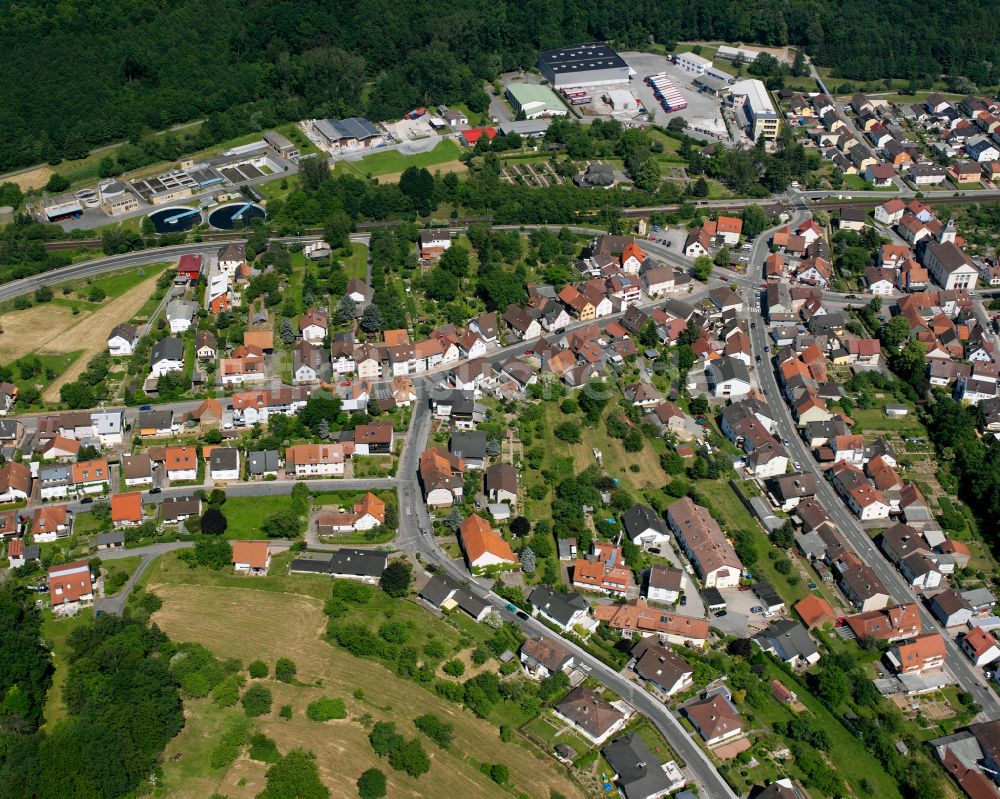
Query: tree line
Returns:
{"type": "Point", "coordinates": [247, 65]}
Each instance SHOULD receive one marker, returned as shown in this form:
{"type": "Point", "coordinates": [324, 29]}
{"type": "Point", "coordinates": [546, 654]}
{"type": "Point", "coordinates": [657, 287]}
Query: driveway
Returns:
{"type": "Point", "coordinates": [116, 604]}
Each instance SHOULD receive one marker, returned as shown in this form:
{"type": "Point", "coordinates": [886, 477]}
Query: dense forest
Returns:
{"type": "Point", "coordinates": [122, 704]}
{"type": "Point", "coordinates": [86, 72]}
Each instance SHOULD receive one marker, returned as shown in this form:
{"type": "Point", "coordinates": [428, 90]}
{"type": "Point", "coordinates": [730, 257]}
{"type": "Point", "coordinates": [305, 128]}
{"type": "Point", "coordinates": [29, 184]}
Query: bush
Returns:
{"type": "Point", "coordinates": [258, 669]}
{"type": "Point", "coordinates": [284, 670]}
{"type": "Point", "coordinates": [257, 701]}
{"type": "Point", "coordinates": [326, 709]}
{"type": "Point", "coordinates": [213, 522]}
{"type": "Point", "coordinates": [568, 432]}
{"type": "Point", "coordinates": [227, 692]}
{"type": "Point", "coordinates": [408, 756]}
{"type": "Point", "coordinates": [499, 773]}
{"type": "Point", "coordinates": [395, 632]}
{"type": "Point", "coordinates": [454, 668]}
{"type": "Point", "coordinates": [229, 745]}
{"type": "Point", "coordinates": [396, 578]}
{"type": "Point", "coordinates": [285, 712]}
{"type": "Point", "coordinates": [371, 784]}
{"type": "Point", "coordinates": [263, 749]}
{"type": "Point", "coordinates": [441, 732]}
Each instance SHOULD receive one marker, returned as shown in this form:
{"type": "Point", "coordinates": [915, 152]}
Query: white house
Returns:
{"type": "Point", "coordinates": [231, 257]}
{"type": "Point", "coordinates": [664, 584]}
{"type": "Point", "coordinates": [224, 464]}
{"type": "Point", "coordinates": [108, 426]}
{"type": "Point", "coordinates": [167, 355]}
{"type": "Point", "coordinates": [645, 527]}
{"type": "Point", "coordinates": [122, 339]}
{"type": "Point", "coordinates": [728, 377]}
{"type": "Point", "coordinates": [180, 314]}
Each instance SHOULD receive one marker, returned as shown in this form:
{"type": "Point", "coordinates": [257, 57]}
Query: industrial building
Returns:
{"type": "Point", "coordinates": [534, 101]}
{"type": "Point", "coordinates": [593, 64]}
{"type": "Point", "coordinates": [737, 54]}
{"type": "Point", "coordinates": [282, 145]}
{"type": "Point", "coordinates": [693, 63]}
{"type": "Point", "coordinates": [751, 97]}
{"type": "Point", "coordinates": [347, 134]}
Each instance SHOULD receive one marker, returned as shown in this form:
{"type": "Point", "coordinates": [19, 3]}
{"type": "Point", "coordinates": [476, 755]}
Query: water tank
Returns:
{"type": "Point", "coordinates": [88, 198]}
{"type": "Point", "coordinates": [6, 214]}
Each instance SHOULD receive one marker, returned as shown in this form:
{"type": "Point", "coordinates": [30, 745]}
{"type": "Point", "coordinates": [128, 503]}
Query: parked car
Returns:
{"type": "Point", "coordinates": [145, 407]}
{"type": "Point", "coordinates": [756, 609]}
{"type": "Point", "coordinates": [155, 490]}
{"type": "Point", "coordinates": [522, 615]}
{"type": "Point", "coordinates": [767, 614]}
{"type": "Point", "coordinates": [684, 601]}
{"type": "Point", "coordinates": [510, 608]}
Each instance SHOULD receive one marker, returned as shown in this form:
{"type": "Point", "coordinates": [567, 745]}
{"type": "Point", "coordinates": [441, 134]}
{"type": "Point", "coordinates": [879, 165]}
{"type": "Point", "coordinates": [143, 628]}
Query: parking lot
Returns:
{"type": "Point", "coordinates": [703, 110]}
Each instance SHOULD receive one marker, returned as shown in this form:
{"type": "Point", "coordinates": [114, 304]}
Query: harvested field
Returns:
{"type": "Point", "coordinates": [447, 166]}
{"type": "Point", "coordinates": [52, 328]}
{"type": "Point", "coordinates": [289, 624]}
{"type": "Point", "coordinates": [31, 178]}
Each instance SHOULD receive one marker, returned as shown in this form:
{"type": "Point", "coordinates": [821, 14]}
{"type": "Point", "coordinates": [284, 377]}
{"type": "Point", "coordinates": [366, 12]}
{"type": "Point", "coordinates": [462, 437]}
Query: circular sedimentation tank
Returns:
{"type": "Point", "coordinates": [183, 218]}
{"type": "Point", "coordinates": [235, 215]}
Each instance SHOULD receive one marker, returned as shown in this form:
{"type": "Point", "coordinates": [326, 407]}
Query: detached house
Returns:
{"type": "Point", "coordinates": [483, 546]}
{"type": "Point", "coordinates": [122, 339]}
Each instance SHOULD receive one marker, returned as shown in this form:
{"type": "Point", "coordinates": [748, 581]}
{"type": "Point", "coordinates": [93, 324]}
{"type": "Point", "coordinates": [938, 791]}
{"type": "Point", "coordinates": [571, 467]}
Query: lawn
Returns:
{"type": "Point", "coordinates": [393, 161]}
{"type": "Point", "coordinates": [723, 500]}
{"type": "Point", "coordinates": [871, 419]}
{"type": "Point", "coordinates": [852, 761]}
{"type": "Point", "coordinates": [117, 284]}
{"type": "Point", "coordinates": [285, 614]}
{"type": "Point", "coordinates": [357, 265]}
{"type": "Point", "coordinates": [56, 632]}
{"type": "Point", "coordinates": [118, 571]}
{"type": "Point", "coordinates": [246, 515]}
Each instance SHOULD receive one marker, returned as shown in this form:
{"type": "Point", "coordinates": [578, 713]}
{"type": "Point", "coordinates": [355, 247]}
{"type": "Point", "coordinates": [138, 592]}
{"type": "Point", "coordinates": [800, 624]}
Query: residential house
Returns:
{"type": "Point", "coordinates": [664, 584]}
{"type": "Point", "coordinates": [926, 652]}
{"type": "Point", "coordinates": [645, 527]}
{"type": "Point", "coordinates": [661, 666]}
{"type": "Point", "coordinates": [174, 510]}
{"type": "Point", "coordinates": [567, 611]}
{"type": "Point", "coordinates": [590, 715]}
{"type": "Point", "coordinates": [887, 624]}
{"type": "Point", "coordinates": [788, 641]}
{"type": "Point", "coordinates": [314, 324]}
{"type": "Point", "coordinates": [980, 646]}
{"type": "Point", "coordinates": [364, 565]}
{"type": "Point", "coordinates": [446, 593]}
{"type": "Point", "coordinates": [542, 657]}
{"type": "Point", "coordinates": [638, 618]}
{"type": "Point", "coordinates": [166, 356]}
{"type": "Point", "coordinates": [814, 611]}
{"type": "Point", "coordinates": [263, 463]}
{"type": "Point", "coordinates": [15, 482]}
{"type": "Point", "coordinates": [715, 718]}
{"type": "Point", "coordinates": [441, 474]}
{"type": "Point", "coordinates": [483, 546]}
{"type": "Point", "coordinates": [180, 314]}
{"type": "Point", "coordinates": [501, 483]}
{"type": "Point", "coordinates": [126, 509]}
{"type": "Point", "coordinates": [70, 584]}
{"type": "Point", "coordinates": [604, 571]}
{"type": "Point", "coordinates": [317, 460]}
{"type": "Point", "coordinates": [638, 772]}
{"type": "Point", "coordinates": [51, 522]}
{"type": "Point", "coordinates": [706, 546]}
{"type": "Point", "coordinates": [122, 339]}
{"type": "Point", "coordinates": [224, 464]}
{"type": "Point", "coordinates": [728, 377]}
{"type": "Point", "coordinates": [251, 557]}
{"type": "Point", "coordinates": [91, 477]}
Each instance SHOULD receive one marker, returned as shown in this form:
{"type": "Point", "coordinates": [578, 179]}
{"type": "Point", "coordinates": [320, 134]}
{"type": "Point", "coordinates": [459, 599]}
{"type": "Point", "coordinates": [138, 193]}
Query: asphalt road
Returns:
{"type": "Point", "coordinates": [411, 540]}
{"type": "Point", "coordinates": [846, 522]}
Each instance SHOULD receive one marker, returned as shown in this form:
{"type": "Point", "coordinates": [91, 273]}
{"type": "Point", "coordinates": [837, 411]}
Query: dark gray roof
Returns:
{"type": "Point", "coordinates": [638, 769]}
{"type": "Point", "coordinates": [224, 458]}
{"type": "Point", "coordinates": [103, 539]}
{"type": "Point", "coordinates": [155, 420]}
{"type": "Point", "coordinates": [468, 444]}
{"type": "Point", "coordinates": [501, 477]}
{"type": "Point", "coordinates": [262, 461]}
{"type": "Point", "coordinates": [350, 128]}
{"type": "Point", "coordinates": [125, 330]}
{"type": "Point", "coordinates": [790, 637]}
{"type": "Point", "coordinates": [32, 552]}
{"type": "Point", "coordinates": [174, 507]}
{"type": "Point", "coordinates": [169, 348]}
{"type": "Point", "coordinates": [640, 518]}
{"type": "Point", "coordinates": [359, 562]}
{"type": "Point", "coordinates": [727, 368]}
{"type": "Point", "coordinates": [559, 606]}
{"type": "Point", "coordinates": [440, 588]}
{"type": "Point", "coordinates": [462, 402]}
{"type": "Point", "coordinates": [766, 593]}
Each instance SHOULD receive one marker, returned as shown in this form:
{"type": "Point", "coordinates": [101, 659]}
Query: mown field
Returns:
{"type": "Point", "coordinates": [273, 617]}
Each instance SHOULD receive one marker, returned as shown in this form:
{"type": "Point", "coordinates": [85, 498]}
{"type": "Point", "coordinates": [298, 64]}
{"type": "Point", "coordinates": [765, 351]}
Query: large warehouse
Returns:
{"type": "Point", "coordinates": [534, 101]}
{"type": "Point", "coordinates": [593, 64]}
